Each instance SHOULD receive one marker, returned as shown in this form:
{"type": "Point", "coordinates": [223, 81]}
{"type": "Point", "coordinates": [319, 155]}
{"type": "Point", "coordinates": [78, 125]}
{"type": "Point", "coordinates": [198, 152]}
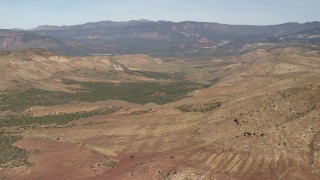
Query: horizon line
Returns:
{"type": "Point", "coordinates": [147, 20]}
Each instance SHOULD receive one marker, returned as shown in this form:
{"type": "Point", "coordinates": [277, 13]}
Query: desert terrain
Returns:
{"type": "Point", "coordinates": [249, 116]}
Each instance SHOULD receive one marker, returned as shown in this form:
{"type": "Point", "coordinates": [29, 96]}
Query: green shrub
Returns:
{"type": "Point", "coordinates": [200, 108]}
{"type": "Point", "coordinates": [11, 156]}
{"type": "Point", "coordinates": [137, 92]}
{"type": "Point", "coordinates": [59, 119]}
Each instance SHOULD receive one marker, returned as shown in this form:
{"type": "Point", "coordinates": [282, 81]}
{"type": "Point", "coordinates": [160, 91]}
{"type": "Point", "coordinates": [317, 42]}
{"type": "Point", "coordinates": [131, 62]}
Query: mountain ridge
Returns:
{"type": "Point", "coordinates": [154, 37]}
{"type": "Point", "coordinates": [159, 21]}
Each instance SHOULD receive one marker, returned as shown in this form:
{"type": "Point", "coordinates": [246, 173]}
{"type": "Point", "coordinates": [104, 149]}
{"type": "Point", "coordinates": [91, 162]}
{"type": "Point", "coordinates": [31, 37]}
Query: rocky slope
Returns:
{"type": "Point", "coordinates": [40, 68]}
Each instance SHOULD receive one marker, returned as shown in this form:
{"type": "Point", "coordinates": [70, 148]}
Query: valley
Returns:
{"type": "Point", "coordinates": [237, 116]}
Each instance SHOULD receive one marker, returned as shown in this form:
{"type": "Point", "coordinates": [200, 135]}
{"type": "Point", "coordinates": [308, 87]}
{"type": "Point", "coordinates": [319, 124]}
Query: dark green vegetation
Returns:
{"type": "Point", "coordinates": [141, 93]}
{"type": "Point", "coordinates": [59, 119]}
{"type": "Point", "coordinates": [11, 156]}
{"type": "Point", "coordinates": [157, 75]}
{"type": "Point", "coordinates": [32, 97]}
{"type": "Point", "coordinates": [138, 92]}
{"type": "Point", "coordinates": [200, 108]}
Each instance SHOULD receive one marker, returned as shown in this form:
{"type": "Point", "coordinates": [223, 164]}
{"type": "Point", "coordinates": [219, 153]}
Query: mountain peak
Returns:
{"type": "Point", "coordinates": [45, 27]}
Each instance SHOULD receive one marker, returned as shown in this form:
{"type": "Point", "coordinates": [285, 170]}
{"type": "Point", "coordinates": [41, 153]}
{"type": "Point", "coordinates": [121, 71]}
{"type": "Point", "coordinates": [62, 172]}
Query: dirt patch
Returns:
{"type": "Point", "coordinates": [59, 160]}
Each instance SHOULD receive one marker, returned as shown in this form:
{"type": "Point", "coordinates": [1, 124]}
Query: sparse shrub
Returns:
{"type": "Point", "coordinates": [137, 92]}
{"type": "Point", "coordinates": [11, 156]}
{"type": "Point", "coordinates": [200, 108]}
{"type": "Point", "coordinates": [59, 119]}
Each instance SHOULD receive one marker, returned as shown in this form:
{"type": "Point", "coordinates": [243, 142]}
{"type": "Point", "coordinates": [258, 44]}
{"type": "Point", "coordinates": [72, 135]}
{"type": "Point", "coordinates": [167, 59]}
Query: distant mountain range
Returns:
{"type": "Point", "coordinates": [155, 38]}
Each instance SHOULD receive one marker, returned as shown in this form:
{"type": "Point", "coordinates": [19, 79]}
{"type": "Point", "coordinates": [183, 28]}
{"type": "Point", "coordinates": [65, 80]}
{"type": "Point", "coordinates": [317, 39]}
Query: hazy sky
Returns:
{"type": "Point", "coordinates": [31, 13]}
